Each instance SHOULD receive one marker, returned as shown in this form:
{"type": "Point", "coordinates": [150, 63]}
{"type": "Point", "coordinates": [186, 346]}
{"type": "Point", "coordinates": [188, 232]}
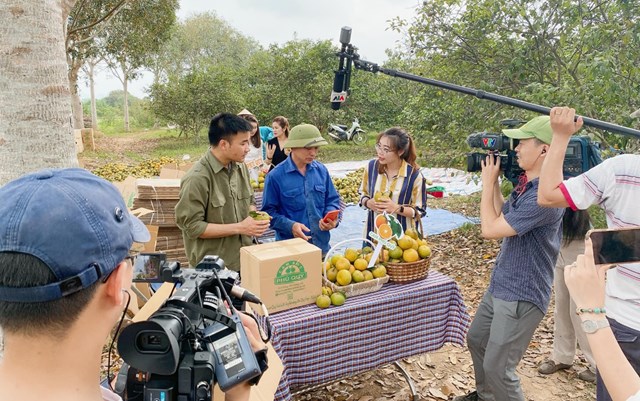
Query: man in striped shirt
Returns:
{"type": "Point", "coordinates": [614, 185]}
{"type": "Point", "coordinates": [520, 289]}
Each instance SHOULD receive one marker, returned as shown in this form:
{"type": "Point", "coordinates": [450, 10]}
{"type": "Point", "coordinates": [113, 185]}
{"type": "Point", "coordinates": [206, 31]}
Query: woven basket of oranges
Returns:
{"type": "Point", "coordinates": [345, 269]}
{"type": "Point", "coordinates": [410, 257]}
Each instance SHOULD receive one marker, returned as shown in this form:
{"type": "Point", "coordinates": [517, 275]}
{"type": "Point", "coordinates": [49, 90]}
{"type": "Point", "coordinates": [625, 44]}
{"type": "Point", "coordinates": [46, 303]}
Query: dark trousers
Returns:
{"type": "Point", "coordinates": [629, 341]}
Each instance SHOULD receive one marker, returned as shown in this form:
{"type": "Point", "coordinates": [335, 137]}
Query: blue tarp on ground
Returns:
{"type": "Point", "coordinates": [436, 221]}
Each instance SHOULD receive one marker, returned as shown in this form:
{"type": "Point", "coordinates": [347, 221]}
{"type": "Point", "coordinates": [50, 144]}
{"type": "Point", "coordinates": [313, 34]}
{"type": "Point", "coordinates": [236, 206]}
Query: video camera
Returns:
{"type": "Point", "coordinates": [581, 154]}
{"type": "Point", "coordinates": [191, 342]}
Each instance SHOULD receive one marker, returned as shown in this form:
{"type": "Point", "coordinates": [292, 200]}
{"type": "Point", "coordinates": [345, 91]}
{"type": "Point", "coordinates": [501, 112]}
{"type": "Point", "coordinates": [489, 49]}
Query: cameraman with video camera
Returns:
{"type": "Point", "coordinates": [614, 185]}
{"type": "Point", "coordinates": [520, 288]}
{"type": "Point", "coordinates": [65, 237]}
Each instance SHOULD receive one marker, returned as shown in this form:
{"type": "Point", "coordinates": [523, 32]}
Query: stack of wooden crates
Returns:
{"type": "Point", "coordinates": [161, 195]}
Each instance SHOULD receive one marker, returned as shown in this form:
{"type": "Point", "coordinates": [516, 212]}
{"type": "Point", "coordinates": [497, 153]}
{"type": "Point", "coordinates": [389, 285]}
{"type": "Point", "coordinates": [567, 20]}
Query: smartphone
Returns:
{"type": "Point", "coordinates": [619, 246]}
{"type": "Point", "coordinates": [148, 266]}
{"type": "Point", "coordinates": [331, 216]}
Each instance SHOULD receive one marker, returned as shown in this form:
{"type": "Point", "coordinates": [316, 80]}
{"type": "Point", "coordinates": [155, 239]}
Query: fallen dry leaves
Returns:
{"type": "Point", "coordinates": [448, 372]}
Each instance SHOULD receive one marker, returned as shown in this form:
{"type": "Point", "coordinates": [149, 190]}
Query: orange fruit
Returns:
{"type": "Point", "coordinates": [405, 242]}
{"type": "Point", "coordinates": [331, 274]}
{"type": "Point", "coordinates": [379, 271]}
{"type": "Point", "coordinates": [385, 231]}
{"type": "Point", "coordinates": [410, 255]}
{"type": "Point", "coordinates": [424, 251]}
{"type": "Point", "coordinates": [380, 220]}
{"type": "Point", "coordinates": [343, 278]}
{"type": "Point", "coordinates": [343, 264]}
{"type": "Point", "coordinates": [323, 301]}
{"type": "Point", "coordinates": [357, 276]}
{"type": "Point", "coordinates": [338, 299]}
{"type": "Point", "coordinates": [360, 264]}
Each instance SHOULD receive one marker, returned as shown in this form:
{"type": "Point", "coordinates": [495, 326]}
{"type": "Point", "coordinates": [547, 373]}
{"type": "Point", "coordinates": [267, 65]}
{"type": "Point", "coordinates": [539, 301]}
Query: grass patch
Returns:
{"type": "Point", "coordinates": [101, 155]}
{"type": "Point", "coordinates": [342, 151]}
{"type": "Point", "coordinates": [145, 134]}
{"type": "Point", "coordinates": [178, 147]}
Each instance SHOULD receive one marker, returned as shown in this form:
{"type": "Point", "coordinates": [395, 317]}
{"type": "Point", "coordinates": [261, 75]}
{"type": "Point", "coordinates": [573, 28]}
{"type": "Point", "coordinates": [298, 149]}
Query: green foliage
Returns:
{"type": "Point", "coordinates": [292, 80]}
{"type": "Point", "coordinates": [137, 31]}
{"type": "Point", "coordinates": [597, 216]}
{"type": "Point", "coordinates": [110, 112]}
{"type": "Point", "coordinates": [191, 100]}
{"type": "Point", "coordinates": [199, 42]}
{"type": "Point", "coordinates": [579, 53]}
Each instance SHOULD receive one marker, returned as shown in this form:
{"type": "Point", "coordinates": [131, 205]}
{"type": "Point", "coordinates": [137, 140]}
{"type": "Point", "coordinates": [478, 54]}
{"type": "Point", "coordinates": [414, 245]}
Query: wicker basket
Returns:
{"type": "Point", "coordinates": [410, 271]}
{"type": "Point", "coordinates": [404, 272]}
{"type": "Point", "coordinates": [350, 290]}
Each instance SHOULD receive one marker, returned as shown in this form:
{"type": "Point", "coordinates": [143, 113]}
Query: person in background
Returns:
{"type": "Point", "coordinates": [254, 159]}
{"type": "Point", "coordinates": [276, 152]}
{"type": "Point", "coordinates": [299, 192]}
{"type": "Point", "coordinates": [65, 268]}
{"type": "Point", "coordinates": [614, 185]}
{"type": "Point", "coordinates": [586, 283]}
{"type": "Point", "coordinates": [520, 288]}
{"type": "Point", "coordinates": [216, 196]}
{"type": "Point", "coordinates": [396, 173]}
{"type": "Point", "coordinates": [566, 326]}
{"type": "Point", "coordinates": [266, 133]}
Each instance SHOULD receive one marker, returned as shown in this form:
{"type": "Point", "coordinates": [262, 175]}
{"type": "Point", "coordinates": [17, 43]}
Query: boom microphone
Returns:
{"type": "Point", "coordinates": [341, 80]}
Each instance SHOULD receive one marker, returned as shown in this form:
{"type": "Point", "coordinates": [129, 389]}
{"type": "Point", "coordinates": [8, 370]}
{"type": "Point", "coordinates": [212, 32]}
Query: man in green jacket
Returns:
{"type": "Point", "coordinates": [216, 196]}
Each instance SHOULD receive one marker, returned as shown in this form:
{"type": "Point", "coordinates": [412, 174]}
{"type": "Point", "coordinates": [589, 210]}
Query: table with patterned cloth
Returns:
{"type": "Point", "coordinates": [368, 331]}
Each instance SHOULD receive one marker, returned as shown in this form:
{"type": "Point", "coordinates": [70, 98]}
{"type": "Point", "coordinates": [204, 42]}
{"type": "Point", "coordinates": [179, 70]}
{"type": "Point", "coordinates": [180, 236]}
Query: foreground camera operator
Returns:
{"type": "Point", "coordinates": [520, 287]}
{"type": "Point", "coordinates": [64, 270]}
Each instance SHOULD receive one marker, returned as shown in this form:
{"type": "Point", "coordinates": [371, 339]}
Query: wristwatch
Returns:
{"type": "Point", "coordinates": [591, 326]}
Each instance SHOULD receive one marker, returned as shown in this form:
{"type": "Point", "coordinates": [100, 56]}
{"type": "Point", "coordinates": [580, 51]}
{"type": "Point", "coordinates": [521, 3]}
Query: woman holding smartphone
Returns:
{"type": "Point", "coordinates": [586, 283]}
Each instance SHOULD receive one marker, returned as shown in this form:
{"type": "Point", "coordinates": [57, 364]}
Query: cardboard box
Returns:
{"type": "Point", "coordinates": [283, 274]}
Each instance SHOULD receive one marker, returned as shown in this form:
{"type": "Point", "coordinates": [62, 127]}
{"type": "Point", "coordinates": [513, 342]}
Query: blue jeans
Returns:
{"type": "Point", "coordinates": [629, 341]}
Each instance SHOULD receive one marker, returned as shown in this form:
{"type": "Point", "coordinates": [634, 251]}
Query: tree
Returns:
{"type": "Point", "coordinates": [200, 72]}
{"type": "Point", "coordinates": [86, 20]}
{"type": "Point", "coordinates": [293, 80]}
{"type": "Point", "coordinates": [573, 52]}
{"type": "Point", "coordinates": [89, 69]}
{"type": "Point", "coordinates": [35, 106]}
{"type": "Point", "coordinates": [200, 41]}
{"type": "Point", "coordinates": [137, 31]}
{"type": "Point", "coordinates": [191, 100]}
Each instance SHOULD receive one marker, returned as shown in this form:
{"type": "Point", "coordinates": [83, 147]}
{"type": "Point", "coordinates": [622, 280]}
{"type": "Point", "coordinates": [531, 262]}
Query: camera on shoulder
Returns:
{"type": "Point", "coordinates": [582, 153]}
{"type": "Point", "coordinates": [192, 341]}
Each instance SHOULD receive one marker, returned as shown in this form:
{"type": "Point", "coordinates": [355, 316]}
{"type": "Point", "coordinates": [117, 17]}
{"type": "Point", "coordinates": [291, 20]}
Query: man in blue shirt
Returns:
{"type": "Point", "coordinates": [520, 287]}
{"type": "Point", "coordinates": [299, 192]}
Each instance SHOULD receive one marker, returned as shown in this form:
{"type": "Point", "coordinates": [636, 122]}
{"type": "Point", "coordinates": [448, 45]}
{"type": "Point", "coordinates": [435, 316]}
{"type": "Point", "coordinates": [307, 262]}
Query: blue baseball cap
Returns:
{"type": "Point", "coordinates": [73, 221]}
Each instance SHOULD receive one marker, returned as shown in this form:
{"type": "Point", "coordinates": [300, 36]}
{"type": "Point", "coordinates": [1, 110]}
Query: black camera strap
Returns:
{"type": "Point", "coordinates": [208, 313]}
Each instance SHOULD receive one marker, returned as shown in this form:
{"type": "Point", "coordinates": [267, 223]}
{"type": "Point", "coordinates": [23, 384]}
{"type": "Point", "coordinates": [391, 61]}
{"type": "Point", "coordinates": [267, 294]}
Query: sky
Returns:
{"type": "Point", "coordinates": [278, 21]}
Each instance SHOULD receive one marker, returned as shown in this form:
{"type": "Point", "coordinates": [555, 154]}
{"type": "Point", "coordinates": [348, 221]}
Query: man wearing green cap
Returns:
{"type": "Point", "coordinates": [520, 288]}
{"type": "Point", "coordinates": [299, 192]}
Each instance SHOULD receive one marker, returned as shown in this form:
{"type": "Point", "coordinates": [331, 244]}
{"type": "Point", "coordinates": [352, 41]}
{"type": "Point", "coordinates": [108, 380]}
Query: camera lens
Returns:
{"type": "Point", "coordinates": [152, 342]}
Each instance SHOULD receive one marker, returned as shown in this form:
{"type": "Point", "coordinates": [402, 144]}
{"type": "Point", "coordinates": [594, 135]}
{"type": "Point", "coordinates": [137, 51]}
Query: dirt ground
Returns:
{"type": "Point", "coordinates": [448, 372]}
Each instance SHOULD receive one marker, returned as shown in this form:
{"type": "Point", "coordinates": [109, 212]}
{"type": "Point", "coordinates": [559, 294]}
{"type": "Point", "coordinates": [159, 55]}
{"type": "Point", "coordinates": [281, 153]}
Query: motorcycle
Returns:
{"type": "Point", "coordinates": [340, 132]}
